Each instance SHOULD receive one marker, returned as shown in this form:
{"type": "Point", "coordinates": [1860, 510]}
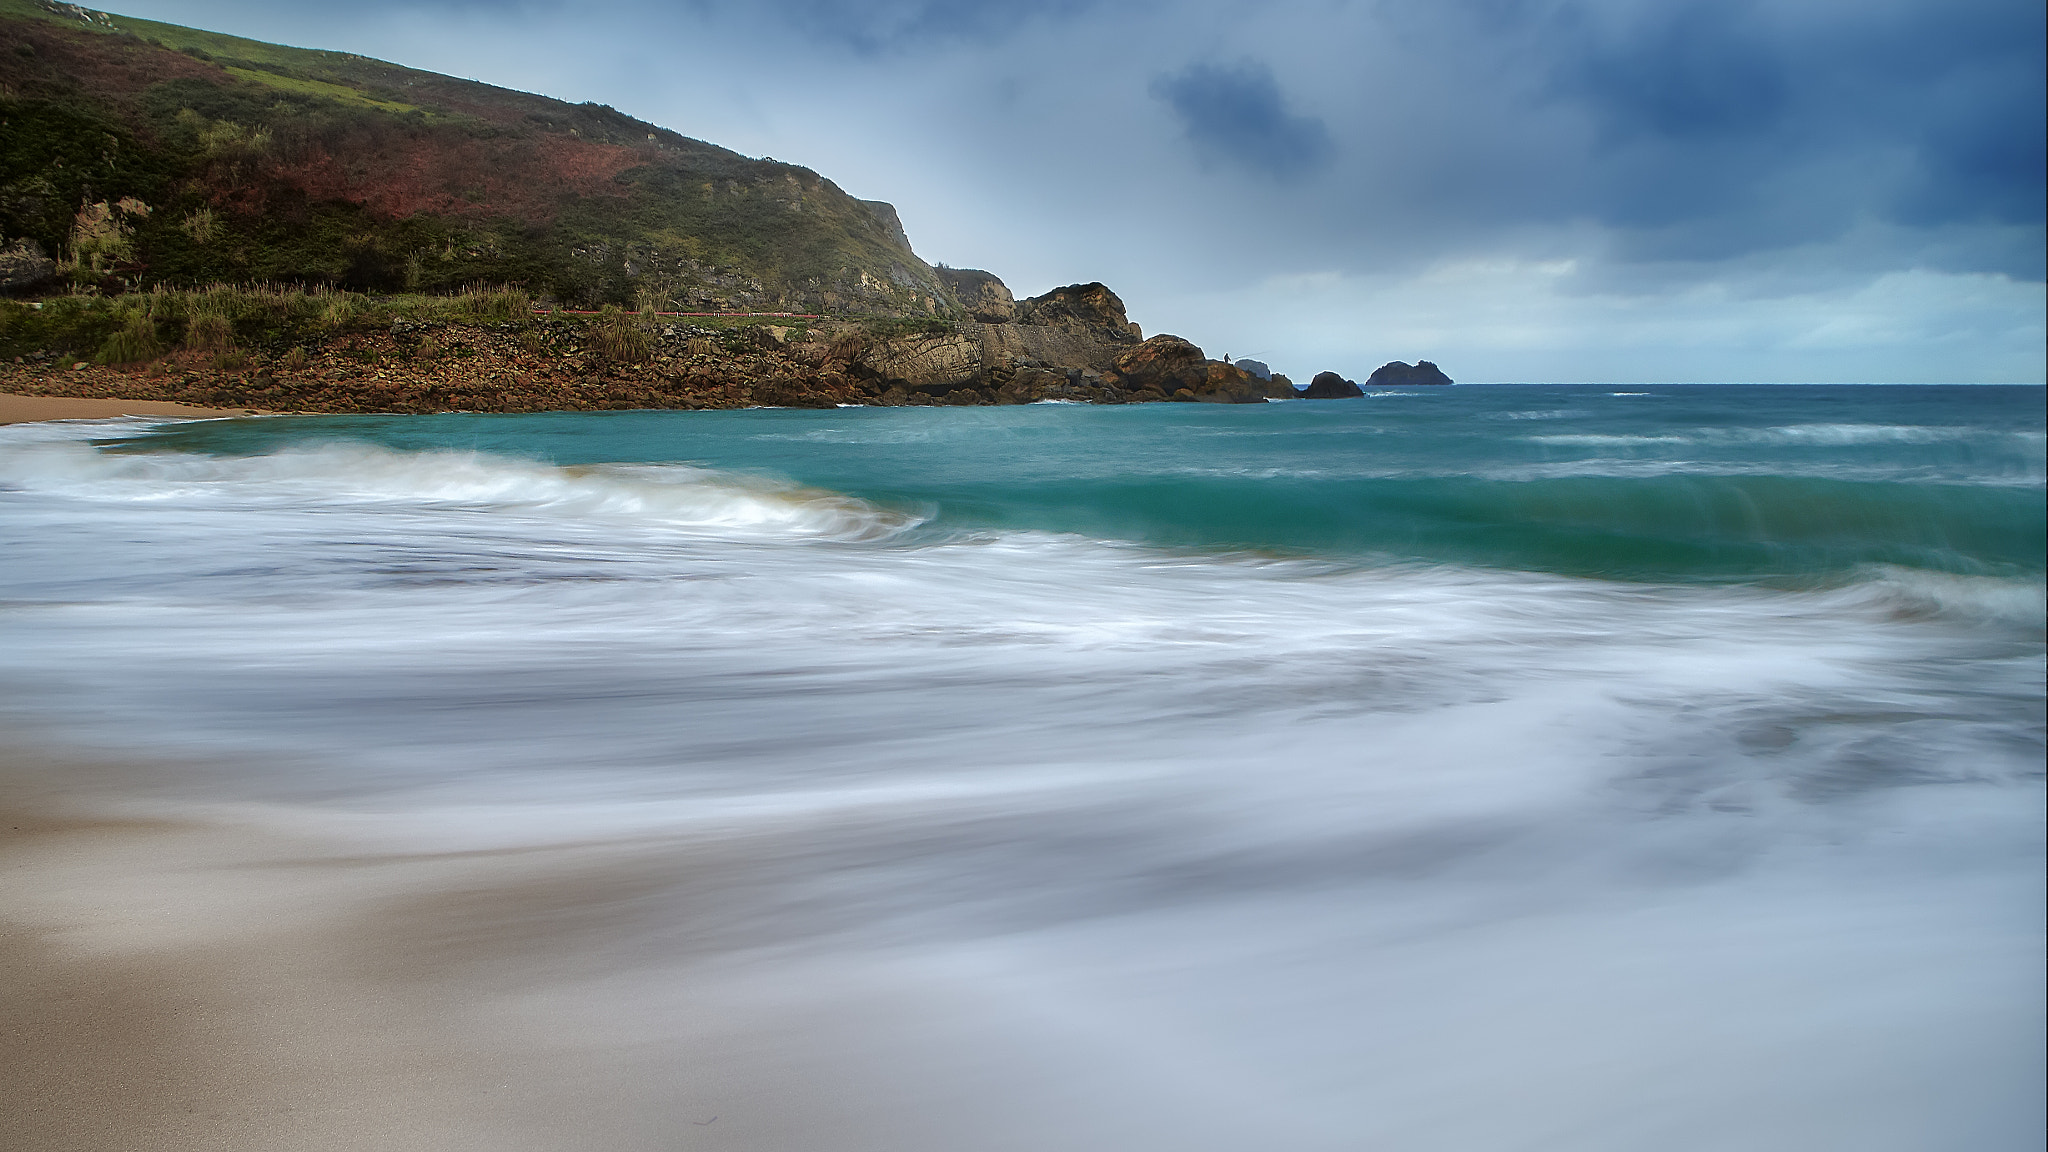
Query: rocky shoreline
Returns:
{"type": "Point", "coordinates": [1073, 344]}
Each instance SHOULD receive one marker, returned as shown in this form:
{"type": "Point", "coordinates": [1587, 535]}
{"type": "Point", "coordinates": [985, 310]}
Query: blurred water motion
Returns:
{"type": "Point", "coordinates": [1538, 769]}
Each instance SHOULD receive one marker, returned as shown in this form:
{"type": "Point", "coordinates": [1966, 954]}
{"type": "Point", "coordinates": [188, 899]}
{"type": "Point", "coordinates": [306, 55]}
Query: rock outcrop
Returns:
{"type": "Point", "coordinates": [1230, 384]}
{"type": "Point", "coordinates": [1171, 368]}
{"type": "Point", "coordinates": [23, 265]}
{"type": "Point", "coordinates": [1164, 364]}
{"type": "Point", "coordinates": [1398, 374]}
{"type": "Point", "coordinates": [1330, 386]}
{"type": "Point", "coordinates": [930, 363]}
{"type": "Point", "coordinates": [1088, 309]}
{"type": "Point", "coordinates": [1064, 345]}
{"type": "Point", "coordinates": [980, 294]}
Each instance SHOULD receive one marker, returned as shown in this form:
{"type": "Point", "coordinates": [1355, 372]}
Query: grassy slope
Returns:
{"type": "Point", "coordinates": [327, 167]}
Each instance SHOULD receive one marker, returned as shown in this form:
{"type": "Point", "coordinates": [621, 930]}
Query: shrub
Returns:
{"type": "Point", "coordinates": [619, 339]}
{"type": "Point", "coordinates": [209, 331]}
{"type": "Point", "coordinates": [295, 360]}
{"type": "Point", "coordinates": [338, 312]}
{"type": "Point", "coordinates": [136, 341]}
{"type": "Point", "coordinates": [201, 225]}
{"type": "Point", "coordinates": [886, 327]}
{"type": "Point", "coordinates": [504, 304]}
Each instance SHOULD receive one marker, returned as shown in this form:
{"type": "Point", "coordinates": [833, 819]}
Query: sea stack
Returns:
{"type": "Point", "coordinates": [1398, 374]}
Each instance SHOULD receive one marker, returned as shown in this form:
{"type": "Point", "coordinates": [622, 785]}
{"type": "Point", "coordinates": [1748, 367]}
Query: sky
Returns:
{"type": "Point", "coordinates": [1520, 190]}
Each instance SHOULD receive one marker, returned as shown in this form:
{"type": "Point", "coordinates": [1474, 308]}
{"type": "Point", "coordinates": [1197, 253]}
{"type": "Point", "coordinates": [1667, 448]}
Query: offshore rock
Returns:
{"type": "Point", "coordinates": [1399, 373]}
{"type": "Point", "coordinates": [981, 294]}
{"type": "Point", "coordinates": [1330, 386]}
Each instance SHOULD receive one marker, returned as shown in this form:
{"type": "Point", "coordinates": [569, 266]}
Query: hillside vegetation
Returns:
{"type": "Point", "coordinates": [136, 154]}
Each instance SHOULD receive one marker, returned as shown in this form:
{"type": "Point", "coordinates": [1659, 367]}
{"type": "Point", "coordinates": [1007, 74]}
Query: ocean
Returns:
{"type": "Point", "coordinates": [1489, 767]}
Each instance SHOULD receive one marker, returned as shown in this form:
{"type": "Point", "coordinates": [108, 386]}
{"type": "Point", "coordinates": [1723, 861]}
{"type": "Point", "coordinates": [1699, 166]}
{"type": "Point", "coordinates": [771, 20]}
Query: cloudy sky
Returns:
{"type": "Point", "coordinates": [1599, 190]}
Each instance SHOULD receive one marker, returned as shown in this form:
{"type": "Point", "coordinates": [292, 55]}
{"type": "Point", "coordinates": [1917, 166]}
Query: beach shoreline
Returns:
{"type": "Point", "coordinates": [18, 408]}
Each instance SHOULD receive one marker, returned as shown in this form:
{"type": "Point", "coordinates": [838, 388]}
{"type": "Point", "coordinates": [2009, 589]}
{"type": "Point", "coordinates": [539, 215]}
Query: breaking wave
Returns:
{"type": "Point", "coordinates": [676, 496]}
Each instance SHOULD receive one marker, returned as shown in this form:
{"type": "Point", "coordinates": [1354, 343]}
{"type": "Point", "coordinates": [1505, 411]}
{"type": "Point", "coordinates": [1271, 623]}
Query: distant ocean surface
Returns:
{"type": "Point", "coordinates": [1488, 767]}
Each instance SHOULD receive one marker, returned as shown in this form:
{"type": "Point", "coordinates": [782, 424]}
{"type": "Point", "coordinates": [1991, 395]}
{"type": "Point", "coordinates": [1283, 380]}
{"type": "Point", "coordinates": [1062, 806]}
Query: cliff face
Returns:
{"type": "Point", "coordinates": [980, 294]}
{"type": "Point", "coordinates": [150, 153]}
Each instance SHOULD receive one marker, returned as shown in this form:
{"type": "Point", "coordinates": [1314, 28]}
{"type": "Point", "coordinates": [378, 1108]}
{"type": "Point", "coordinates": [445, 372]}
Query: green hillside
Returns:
{"type": "Point", "coordinates": [138, 154]}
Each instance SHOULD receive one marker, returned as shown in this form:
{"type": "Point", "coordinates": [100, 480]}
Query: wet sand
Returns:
{"type": "Point", "coordinates": [223, 980]}
{"type": "Point", "coordinates": [179, 984]}
{"type": "Point", "coordinates": [19, 409]}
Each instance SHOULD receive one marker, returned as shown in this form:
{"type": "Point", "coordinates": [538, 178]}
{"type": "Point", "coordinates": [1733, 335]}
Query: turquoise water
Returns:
{"type": "Point", "coordinates": [1512, 768]}
{"type": "Point", "coordinates": [1657, 483]}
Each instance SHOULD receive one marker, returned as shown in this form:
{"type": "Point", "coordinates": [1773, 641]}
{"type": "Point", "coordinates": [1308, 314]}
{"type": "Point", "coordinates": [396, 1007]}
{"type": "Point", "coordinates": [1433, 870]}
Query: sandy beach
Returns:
{"type": "Point", "coordinates": [186, 983]}
{"type": "Point", "coordinates": [231, 978]}
{"type": "Point", "coordinates": [213, 981]}
{"type": "Point", "coordinates": [18, 409]}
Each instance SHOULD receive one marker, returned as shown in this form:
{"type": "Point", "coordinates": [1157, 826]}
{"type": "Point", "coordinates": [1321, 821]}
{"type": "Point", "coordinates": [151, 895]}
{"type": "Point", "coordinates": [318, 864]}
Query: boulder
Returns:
{"type": "Point", "coordinates": [1330, 386]}
{"type": "Point", "coordinates": [980, 294]}
{"type": "Point", "coordinates": [1164, 364]}
{"type": "Point", "coordinates": [783, 392]}
{"type": "Point", "coordinates": [1257, 368]}
{"type": "Point", "coordinates": [23, 265]}
{"type": "Point", "coordinates": [1400, 374]}
{"type": "Point", "coordinates": [1030, 385]}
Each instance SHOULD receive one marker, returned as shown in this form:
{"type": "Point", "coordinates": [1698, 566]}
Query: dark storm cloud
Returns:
{"type": "Point", "coordinates": [1235, 114]}
{"type": "Point", "coordinates": [898, 25]}
{"type": "Point", "coordinates": [1720, 128]}
{"type": "Point", "coordinates": [1690, 73]}
{"type": "Point", "coordinates": [1981, 122]}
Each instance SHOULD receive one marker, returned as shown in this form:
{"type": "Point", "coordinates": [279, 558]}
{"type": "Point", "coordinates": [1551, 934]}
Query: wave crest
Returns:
{"type": "Point", "coordinates": [676, 496]}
